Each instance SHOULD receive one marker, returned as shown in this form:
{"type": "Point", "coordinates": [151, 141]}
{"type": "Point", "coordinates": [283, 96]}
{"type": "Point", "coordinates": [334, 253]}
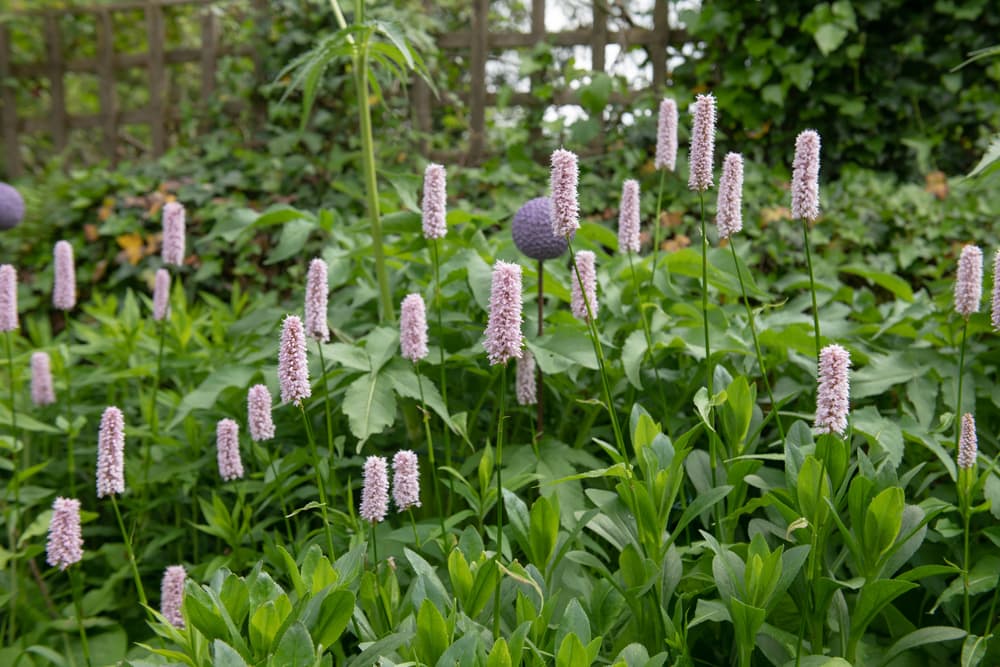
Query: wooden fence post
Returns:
{"type": "Point", "coordinates": [8, 110]}
{"type": "Point", "coordinates": [106, 74]}
{"type": "Point", "coordinates": [598, 36]}
{"type": "Point", "coordinates": [157, 76]}
{"type": "Point", "coordinates": [479, 49]}
{"type": "Point", "coordinates": [657, 50]}
{"type": "Point", "coordinates": [209, 62]}
{"type": "Point", "coordinates": [57, 87]}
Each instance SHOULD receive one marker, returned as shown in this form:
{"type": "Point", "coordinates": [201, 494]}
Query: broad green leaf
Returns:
{"type": "Point", "coordinates": [882, 522]}
{"type": "Point", "coordinates": [432, 634]}
{"type": "Point", "coordinates": [295, 648]}
{"type": "Point", "coordinates": [334, 614]}
{"type": "Point", "coordinates": [207, 393]}
{"type": "Point", "coordinates": [974, 650]}
{"type": "Point", "coordinates": [562, 349]}
{"type": "Point", "coordinates": [294, 235]}
{"type": "Point", "coordinates": [633, 353]}
{"type": "Point", "coordinates": [572, 652]}
{"type": "Point", "coordinates": [874, 596]}
{"type": "Point", "coordinates": [226, 655]}
{"type": "Point", "coordinates": [702, 502]}
{"type": "Point", "coordinates": [544, 530]}
{"type": "Point", "coordinates": [384, 646]}
{"type": "Point", "coordinates": [990, 161]}
{"type": "Point", "coordinates": [896, 285]}
{"type": "Point", "coordinates": [934, 634]}
{"type": "Point", "coordinates": [369, 405]}
{"type": "Point", "coordinates": [499, 654]}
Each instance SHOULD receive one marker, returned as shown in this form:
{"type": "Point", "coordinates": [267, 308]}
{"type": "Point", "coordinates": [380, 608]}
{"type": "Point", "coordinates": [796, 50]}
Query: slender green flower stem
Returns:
{"type": "Point", "coordinates": [130, 553]}
{"type": "Point", "coordinates": [436, 259]}
{"type": "Point", "coordinates": [154, 420]}
{"type": "Point", "coordinates": [965, 474]}
{"type": "Point", "coordinates": [961, 373]}
{"type": "Point", "coordinates": [326, 401]}
{"type": "Point", "coordinates": [812, 284]}
{"type": "Point", "coordinates": [75, 586]}
{"type": "Point", "coordinates": [426, 418]}
{"type": "Point", "coordinates": [704, 295]}
{"type": "Point", "coordinates": [413, 522]}
{"type": "Point", "coordinates": [319, 481]}
{"type": "Point", "coordinates": [993, 607]}
{"type": "Point", "coordinates": [70, 436]}
{"type": "Point", "coordinates": [756, 342]}
{"type": "Point", "coordinates": [14, 516]}
{"type": "Point", "coordinates": [647, 332]}
{"type": "Point", "coordinates": [499, 468]}
{"type": "Point", "coordinates": [374, 548]}
{"type": "Point", "coordinates": [540, 377]}
{"type": "Point", "coordinates": [656, 229]}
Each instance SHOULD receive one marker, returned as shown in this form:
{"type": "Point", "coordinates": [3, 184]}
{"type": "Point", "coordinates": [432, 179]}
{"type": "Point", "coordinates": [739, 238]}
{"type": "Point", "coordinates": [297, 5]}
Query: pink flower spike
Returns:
{"type": "Point", "coordinates": [293, 367]}
{"type": "Point", "coordinates": [227, 445]}
{"type": "Point", "coordinates": [317, 293]}
{"type": "Point", "coordinates": [65, 544]}
{"type": "Point", "coordinates": [42, 392]}
{"type": "Point", "coordinates": [172, 594]}
{"type": "Point", "coordinates": [666, 136]}
{"type": "Point", "coordinates": [173, 233]}
{"type": "Point", "coordinates": [833, 393]}
{"type": "Point", "coordinates": [564, 181]}
{"type": "Point", "coordinates": [111, 453]}
{"type": "Point", "coordinates": [375, 492]}
{"type": "Point", "coordinates": [435, 203]}
{"type": "Point", "coordinates": [586, 264]}
{"type": "Point", "coordinates": [628, 218]}
{"type": "Point", "coordinates": [729, 212]}
{"type": "Point", "coordinates": [702, 143]}
{"type": "Point", "coordinates": [405, 480]}
{"type": "Point", "coordinates": [967, 448]}
{"type": "Point", "coordinates": [805, 177]}
{"type": "Point", "coordinates": [995, 314]}
{"type": "Point", "coordinates": [503, 329]}
{"type": "Point", "coordinates": [161, 295]}
{"type": "Point", "coordinates": [259, 413]}
{"type": "Point", "coordinates": [8, 298]}
{"type": "Point", "coordinates": [413, 328]}
{"type": "Point", "coordinates": [969, 282]}
{"type": "Point", "coordinates": [526, 385]}
{"type": "Point", "coordinates": [64, 277]}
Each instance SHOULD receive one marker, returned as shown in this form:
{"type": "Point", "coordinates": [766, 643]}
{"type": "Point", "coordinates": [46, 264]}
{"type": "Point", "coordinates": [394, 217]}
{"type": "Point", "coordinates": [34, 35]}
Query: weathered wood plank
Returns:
{"type": "Point", "coordinates": [106, 74]}
{"type": "Point", "coordinates": [658, 47]}
{"type": "Point", "coordinates": [157, 76]}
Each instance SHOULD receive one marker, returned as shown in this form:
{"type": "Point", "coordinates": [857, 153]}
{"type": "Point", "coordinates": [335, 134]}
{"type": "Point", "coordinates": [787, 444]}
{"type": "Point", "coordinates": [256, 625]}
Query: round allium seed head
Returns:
{"type": "Point", "coordinates": [293, 367]}
{"type": "Point", "coordinates": [259, 413]}
{"type": "Point", "coordinates": [586, 265]}
{"type": "Point", "coordinates": [563, 181]}
{"type": "Point", "coordinates": [11, 207]}
{"type": "Point", "coordinates": [111, 453]}
{"type": "Point", "coordinates": [64, 277]}
{"type": "Point", "coordinates": [172, 594]}
{"type": "Point", "coordinates": [969, 282]}
{"type": "Point", "coordinates": [967, 448]}
{"type": "Point", "coordinates": [42, 392]}
{"type": "Point", "coordinates": [161, 295]}
{"type": "Point", "coordinates": [503, 329]}
{"type": "Point", "coordinates": [8, 298]}
{"type": "Point", "coordinates": [413, 328]}
{"type": "Point", "coordinates": [65, 544]}
{"type": "Point", "coordinates": [227, 445]}
{"type": "Point", "coordinates": [405, 480]}
{"type": "Point", "coordinates": [666, 135]}
{"type": "Point", "coordinates": [532, 230]}
{"type": "Point", "coordinates": [702, 143]}
{"type": "Point", "coordinates": [729, 213]}
{"type": "Point", "coordinates": [435, 204]}
{"type": "Point", "coordinates": [173, 233]}
{"type": "Point", "coordinates": [628, 218]}
{"type": "Point", "coordinates": [833, 393]}
{"type": "Point", "coordinates": [375, 493]}
{"type": "Point", "coordinates": [526, 385]}
{"type": "Point", "coordinates": [995, 311]}
{"type": "Point", "coordinates": [805, 177]}
{"type": "Point", "coordinates": [317, 291]}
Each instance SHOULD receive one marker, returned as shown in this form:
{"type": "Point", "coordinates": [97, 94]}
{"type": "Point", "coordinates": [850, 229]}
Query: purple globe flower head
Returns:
{"type": "Point", "coordinates": [532, 228]}
{"type": "Point", "coordinates": [11, 207]}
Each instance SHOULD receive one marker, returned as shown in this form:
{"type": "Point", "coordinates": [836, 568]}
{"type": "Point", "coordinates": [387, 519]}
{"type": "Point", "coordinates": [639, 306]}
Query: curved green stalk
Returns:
{"type": "Point", "coordinates": [812, 285]}
{"type": "Point", "coordinates": [647, 332]}
{"type": "Point", "coordinates": [499, 468]}
{"type": "Point", "coordinates": [656, 229]}
{"type": "Point", "coordinates": [130, 553]}
{"type": "Point", "coordinates": [426, 418]}
{"type": "Point", "coordinates": [319, 481]}
{"type": "Point", "coordinates": [75, 586]}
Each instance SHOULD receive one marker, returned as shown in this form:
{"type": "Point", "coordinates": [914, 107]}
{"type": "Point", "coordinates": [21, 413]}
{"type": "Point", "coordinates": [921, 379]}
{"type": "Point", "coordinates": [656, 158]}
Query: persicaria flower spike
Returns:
{"type": "Point", "coordinates": [293, 368]}
{"type": "Point", "coordinates": [161, 295]}
{"type": "Point", "coordinates": [563, 181]}
{"type": "Point", "coordinates": [805, 177]}
{"type": "Point", "coordinates": [503, 329]}
{"type": "Point", "coordinates": [729, 212]}
{"type": "Point", "coordinates": [259, 413]}
{"type": "Point", "coordinates": [64, 277]}
{"type": "Point", "coordinates": [172, 594]}
{"type": "Point", "coordinates": [8, 298]}
{"type": "Point", "coordinates": [967, 448]}
{"type": "Point", "coordinates": [833, 394]}
{"type": "Point", "coordinates": [42, 392]}
{"type": "Point", "coordinates": [969, 283]}
{"type": "Point", "coordinates": [996, 291]}
{"type": "Point", "coordinates": [405, 480]}
{"type": "Point", "coordinates": [666, 136]}
{"type": "Point", "coordinates": [173, 233]}
{"type": "Point", "coordinates": [702, 143]}
{"type": "Point", "coordinates": [413, 328]}
{"type": "Point", "coordinates": [111, 453]}
{"type": "Point", "coordinates": [525, 385]}
{"type": "Point", "coordinates": [586, 265]}
{"type": "Point", "coordinates": [375, 493]}
{"type": "Point", "coordinates": [435, 204]}
{"type": "Point", "coordinates": [65, 543]}
{"type": "Point", "coordinates": [628, 218]}
{"type": "Point", "coordinates": [227, 445]}
{"type": "Point", "coordinates": [317, 293]}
